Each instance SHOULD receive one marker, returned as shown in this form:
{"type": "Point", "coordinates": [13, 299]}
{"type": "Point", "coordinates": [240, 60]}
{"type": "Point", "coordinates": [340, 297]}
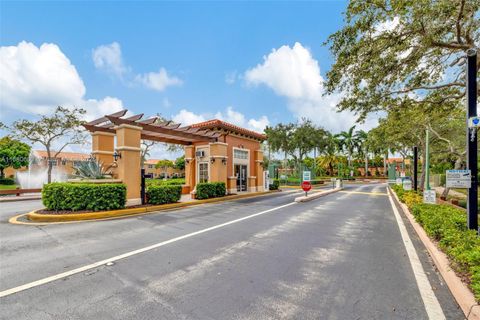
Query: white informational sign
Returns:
{"type": "Point", "coordinates": [429, 196]}
{"type": "Point", "coordinates": [283, 177]}
{"type": "Point", "coordinates": [307, 176]}
{"type": "Point", "coordinates": [407, 185]}
{"type": "Point", "coordinates": [398, 182]}
{"type": "Point", "coordinates": [458, 179]}
{"type": "Point", "coordinates": [402, 174]}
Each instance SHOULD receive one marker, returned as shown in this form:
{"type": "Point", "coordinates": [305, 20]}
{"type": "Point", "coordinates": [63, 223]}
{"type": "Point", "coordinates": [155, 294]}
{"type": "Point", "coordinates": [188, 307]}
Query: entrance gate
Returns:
{"type": "Point", "coordinates": [241, 174]}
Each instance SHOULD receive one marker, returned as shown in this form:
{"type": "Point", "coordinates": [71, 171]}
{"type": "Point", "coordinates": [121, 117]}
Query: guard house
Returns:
{"type": "Point", "coordinates": [215, 151]}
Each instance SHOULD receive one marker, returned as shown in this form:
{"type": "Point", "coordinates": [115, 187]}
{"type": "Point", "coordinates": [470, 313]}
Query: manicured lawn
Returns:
{"type": "Point", "coordinates": [7, 187]}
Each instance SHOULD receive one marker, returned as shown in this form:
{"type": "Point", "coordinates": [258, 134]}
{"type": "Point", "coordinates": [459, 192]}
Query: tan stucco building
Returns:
{"type": "Point", "coordinates": [215, 151]}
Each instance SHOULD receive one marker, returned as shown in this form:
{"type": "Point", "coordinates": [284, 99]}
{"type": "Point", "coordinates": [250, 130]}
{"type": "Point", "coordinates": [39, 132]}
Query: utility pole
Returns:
{"type": "Point", "coordinates": [472, 156]}
{"type": "Point", "coordinates": [427, 160]}
{"type": "Point", "coordinates": [415, 168]}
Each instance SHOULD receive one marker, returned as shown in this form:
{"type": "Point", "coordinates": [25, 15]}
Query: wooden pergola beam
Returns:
{"type": "Point", "coordinates": [161, 129]}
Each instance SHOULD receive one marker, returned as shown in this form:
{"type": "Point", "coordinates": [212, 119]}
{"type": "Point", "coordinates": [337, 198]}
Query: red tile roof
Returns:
{"type": "Point", "coordinates": [216, 123]}
{"type": "Point", "coordinates": [63, 155]}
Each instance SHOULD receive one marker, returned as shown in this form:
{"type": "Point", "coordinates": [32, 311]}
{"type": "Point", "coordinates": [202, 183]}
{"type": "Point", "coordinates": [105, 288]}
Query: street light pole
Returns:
{"type": "Point", "coordinates": [472, 157]}
{"type": "Point", "coordinates": [427, 160]}
{"type": "Point", "coordinates": [415, 168]}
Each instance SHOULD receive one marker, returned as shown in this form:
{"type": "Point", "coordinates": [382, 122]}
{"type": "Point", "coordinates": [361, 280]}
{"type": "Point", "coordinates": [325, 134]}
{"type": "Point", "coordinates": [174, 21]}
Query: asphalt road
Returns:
{"type": "Point", "coordinates": [338, 257]}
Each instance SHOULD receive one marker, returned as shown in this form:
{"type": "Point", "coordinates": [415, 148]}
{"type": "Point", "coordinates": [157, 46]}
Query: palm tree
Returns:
{"type": "Point", "coordinates": [348, 142]}
{"type": "Point", "coordinates": [329, 153]}
{"type": "Point", "coordinates": [361, 138]}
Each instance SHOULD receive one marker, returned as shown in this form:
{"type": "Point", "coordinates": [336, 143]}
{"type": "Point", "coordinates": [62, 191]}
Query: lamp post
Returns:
{"type": "Point", "coordinates": [472, 149]}
{"type": "Point", "coordinates": [427, 160]}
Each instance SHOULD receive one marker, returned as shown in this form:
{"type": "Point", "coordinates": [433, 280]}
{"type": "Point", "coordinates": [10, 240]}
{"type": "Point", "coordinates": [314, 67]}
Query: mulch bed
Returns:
{"type": "Point", "coordinates": [60, 212]}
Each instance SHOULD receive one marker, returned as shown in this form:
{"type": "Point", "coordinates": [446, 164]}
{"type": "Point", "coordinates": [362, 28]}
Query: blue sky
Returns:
{"type": "Point", "coordinates": [253, 63]}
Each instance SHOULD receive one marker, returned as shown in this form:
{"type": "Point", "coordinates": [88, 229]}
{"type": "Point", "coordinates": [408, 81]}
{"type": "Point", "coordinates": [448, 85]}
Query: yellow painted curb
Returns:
{"type": "Point", "coordinates": [122, 213]}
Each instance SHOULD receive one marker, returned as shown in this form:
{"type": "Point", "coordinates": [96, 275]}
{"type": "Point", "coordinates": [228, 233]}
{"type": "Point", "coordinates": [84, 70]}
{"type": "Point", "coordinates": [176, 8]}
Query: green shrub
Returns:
{"type": "Point", "coordinates": [161, 182]}
{"type": "Point", "coordinates": [7, 181]}
{"type": "Point", "coordinates": [448, 226]}
{"type": "Point", "coordinates": [83, 196]}
{"type": "Point", "coordinates": [208, 190]}
{"type": "Point", "coordinates": [162, 194]}
{"type": "Point", "coordinates": [274, 185]}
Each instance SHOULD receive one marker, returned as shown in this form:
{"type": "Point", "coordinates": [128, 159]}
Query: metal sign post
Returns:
{"type": "Point", "coordinates": [472, 156]}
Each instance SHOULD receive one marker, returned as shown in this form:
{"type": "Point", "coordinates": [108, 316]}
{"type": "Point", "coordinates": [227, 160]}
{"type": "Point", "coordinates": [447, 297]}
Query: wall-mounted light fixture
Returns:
{"type": "Point", "coordinates": [212, 160]}
{"type": "Point", "coordinates": [117, 155]}
{"type": "Point", "coordinates": [91, 158]}
{"type": "Point", "coordinates": [224, 161]}
{"type": "Point", "coordinates": [187, 161]}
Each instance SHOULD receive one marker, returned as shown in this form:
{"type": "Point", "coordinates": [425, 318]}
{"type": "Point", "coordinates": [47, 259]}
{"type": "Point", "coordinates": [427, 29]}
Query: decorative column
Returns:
{"type": "Point", "coordinates": [190, 167]}
{"type": "Point", "coordinates": [102, 147]}
{"type": "Point", "coordinates": [128, 170]}
{"type": "Point", "coordinates": [218, 162]}
{"type": "Point", "coordinates": [259, 170]}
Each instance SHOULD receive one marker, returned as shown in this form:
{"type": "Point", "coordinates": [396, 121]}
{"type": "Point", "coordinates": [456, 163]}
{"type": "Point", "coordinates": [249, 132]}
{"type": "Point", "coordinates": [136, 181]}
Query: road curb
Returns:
{"type": "Point", "coordinates": [459, 290]}
{"type": "Point", "coordinates": [122, 213]}
{"type": "Point", "coordinates": [316, 195]}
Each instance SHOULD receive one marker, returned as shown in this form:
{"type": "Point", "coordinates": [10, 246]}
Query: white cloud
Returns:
{"type": "Point", "coordinates": [186, 117]}
{"type": "Point", "coordinates": [293, 73]}
{"type": "Point", "coordinates": [108, 57]}
{"type": "Point", "coordinates": [37, 79]}
{"type": "Point", "coordinates": [158, 81]}
{"type": "Point", "coordinates": [34, 79]}
{"type": "Point", "coordinates": [386, 26]}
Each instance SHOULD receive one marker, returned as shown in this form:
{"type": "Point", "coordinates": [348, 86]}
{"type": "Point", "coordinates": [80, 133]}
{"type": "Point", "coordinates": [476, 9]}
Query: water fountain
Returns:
{"type": "Point", "coordinates": [36, 175]}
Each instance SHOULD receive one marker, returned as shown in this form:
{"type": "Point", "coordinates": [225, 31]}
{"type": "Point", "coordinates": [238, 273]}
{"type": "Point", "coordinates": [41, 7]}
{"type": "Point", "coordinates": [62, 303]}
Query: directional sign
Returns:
{"type": "Point", "coordinates": [429, 196]}
{"type": "Point", "coordinates": [458, 179]}
{"type": "Point", "coordinates": [407, 185]}
{"type": "Point", "coordinates": [307, 176]}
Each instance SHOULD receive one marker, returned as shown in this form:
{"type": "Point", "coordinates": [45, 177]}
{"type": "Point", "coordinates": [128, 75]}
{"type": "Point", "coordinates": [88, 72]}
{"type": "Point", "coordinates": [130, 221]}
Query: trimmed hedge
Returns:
{"type": "Point", "coordinates": [7, 181]}
{"type": "Point", "coordinates": [83, 196]}
{"type": "Point", "coordinates": [275, 185]}
{"type": "Point", "coordinates": [162, 194]}
{"type": "Point", "coordinates": [210, 190]}
{"type": "Point", "coordinates": [161, 182]}
{"type": "Point", "coordinates": [448, 226]}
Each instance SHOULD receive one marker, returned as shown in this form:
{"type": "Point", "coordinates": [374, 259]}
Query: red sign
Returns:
{"type": "Point", "coordinates": [306, 186]}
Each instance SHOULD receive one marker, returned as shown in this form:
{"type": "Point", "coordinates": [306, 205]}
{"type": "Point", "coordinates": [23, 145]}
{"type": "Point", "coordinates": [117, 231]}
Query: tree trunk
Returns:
{"type": "Point", "coordinates": [385, 165]}
{"type": "Point", "coordinates": [2, 175]}
{"type": "Point", "coordinates": [49, 166]}
{"type": "Point", "coordinates": [366, 165]}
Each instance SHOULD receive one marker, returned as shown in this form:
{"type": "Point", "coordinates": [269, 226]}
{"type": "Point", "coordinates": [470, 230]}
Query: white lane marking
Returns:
{"type": "Point", "coordinates": [129, 254]}
{"type": "Point", "coordinates": [432, 306]}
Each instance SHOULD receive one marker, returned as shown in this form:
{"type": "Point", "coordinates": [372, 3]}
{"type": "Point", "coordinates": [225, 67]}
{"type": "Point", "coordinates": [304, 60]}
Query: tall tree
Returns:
{"type": "Point", "coordinates": [13, 153]}
{"type": "Point", "coordinates": [402, 49]}
{"type": "Point", "coordinates": [348, 141]}
{"type": "Point", "coordinates": [361, 138]}
{"type": "Point", "coordinates": [61, 128]}
{"type": "Point", "coordinates": [164, 165]}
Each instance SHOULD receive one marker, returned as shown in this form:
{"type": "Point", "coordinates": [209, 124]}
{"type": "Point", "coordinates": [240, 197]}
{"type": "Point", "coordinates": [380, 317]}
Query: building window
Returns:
{"type": "Point", "coordinates": [203, 172]}
{"type": "Point", "coordinates": [150, 166]}
{"type": "Point", "coordinates": [240, 154]}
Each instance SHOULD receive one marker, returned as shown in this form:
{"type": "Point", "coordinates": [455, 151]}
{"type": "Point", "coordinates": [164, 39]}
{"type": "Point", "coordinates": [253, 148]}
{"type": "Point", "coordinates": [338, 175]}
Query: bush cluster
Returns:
{"type": "Point", "coordinates": [7, 181]}
{"type": "Point", "coordinates": [274, 185]}
{"type": "Point", "coordinates": [162, 194]}
{"type": "Point", "coordinates": [210, 190]}
{"type": "Point", "coordinates": [448, 226]}
{"type": "Point", "coordinates": [83, 196]}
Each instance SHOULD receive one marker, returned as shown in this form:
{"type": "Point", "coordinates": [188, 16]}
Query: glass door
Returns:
{"type": "Point", "coordinates": [241, 174]}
